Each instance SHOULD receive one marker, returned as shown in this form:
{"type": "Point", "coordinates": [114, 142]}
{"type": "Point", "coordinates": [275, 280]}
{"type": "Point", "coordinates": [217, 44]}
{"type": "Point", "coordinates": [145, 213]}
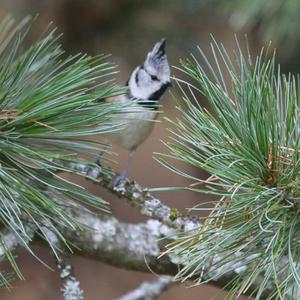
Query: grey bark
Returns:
{"type": "Point", "coordinates": [149, 290]}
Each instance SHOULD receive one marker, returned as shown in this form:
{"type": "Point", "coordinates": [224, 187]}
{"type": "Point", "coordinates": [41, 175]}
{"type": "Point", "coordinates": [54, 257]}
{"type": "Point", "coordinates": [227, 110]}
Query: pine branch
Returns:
{"type": "Point", "coordinates": [154, 208]}
{"type": "Point", "coordinates": [49, 106]}
{"type": "Point", "coordinates": [138, 197]}
{"type": "Point", "coordinates": [149, 290]}
{"type": "Point", "coordinates": [128, 245]}
{"type": "Point", "coordinates": [123, 245]}
{"type": "Point", "coordinates": [138, 246]}
{"type": "Point", "coordinates": [249, 144]}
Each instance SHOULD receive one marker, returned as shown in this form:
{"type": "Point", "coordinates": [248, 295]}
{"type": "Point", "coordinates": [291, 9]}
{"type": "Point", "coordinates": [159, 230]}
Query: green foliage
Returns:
{"type": "Point", "coordinates": [49, 105]}
{"type": "Point", "coordinates": [276, 19]}
{"type": "Point", "coordinates": [250, 145]}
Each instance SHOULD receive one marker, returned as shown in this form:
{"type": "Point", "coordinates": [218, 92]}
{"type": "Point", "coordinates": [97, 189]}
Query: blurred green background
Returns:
{"type": "Point", "coordinates": [127, 29]}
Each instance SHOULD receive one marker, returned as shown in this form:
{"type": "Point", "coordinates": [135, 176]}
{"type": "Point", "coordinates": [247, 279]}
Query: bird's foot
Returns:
{"type": "Point", "coordinates": [93, 172]}
{"type": "Point", "coordinates": [117, 180]}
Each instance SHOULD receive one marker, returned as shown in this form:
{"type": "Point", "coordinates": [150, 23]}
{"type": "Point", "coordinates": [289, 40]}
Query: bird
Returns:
{"type": "Point", "coordinates": [146, 84]}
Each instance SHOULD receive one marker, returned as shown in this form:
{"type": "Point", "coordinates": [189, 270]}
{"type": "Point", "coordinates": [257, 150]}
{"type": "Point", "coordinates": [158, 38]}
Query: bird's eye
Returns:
{"type": "Point", "coordinates": [136, 78]}
{"type": "Point", "coordinates": [155, 78]}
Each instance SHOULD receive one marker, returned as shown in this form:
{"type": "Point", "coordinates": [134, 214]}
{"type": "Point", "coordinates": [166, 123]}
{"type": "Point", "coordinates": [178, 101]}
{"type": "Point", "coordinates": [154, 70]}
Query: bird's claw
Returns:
{"type": "Point", "coordinates": [118, 179]}
{"type": "Point", "coordinates": [93, 172]}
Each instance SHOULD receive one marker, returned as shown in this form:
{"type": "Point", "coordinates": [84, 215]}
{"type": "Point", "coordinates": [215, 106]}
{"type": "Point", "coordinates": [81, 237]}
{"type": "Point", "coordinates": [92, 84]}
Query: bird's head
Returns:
{"type": "Point", "coordinates": [150, 80]}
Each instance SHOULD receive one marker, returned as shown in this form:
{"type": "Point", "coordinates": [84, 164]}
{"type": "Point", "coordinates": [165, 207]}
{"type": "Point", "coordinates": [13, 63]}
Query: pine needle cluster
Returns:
{"type": "Point", "coordinates": [249, 143]}
{"type": "Point", "coordinates": [50, 103]}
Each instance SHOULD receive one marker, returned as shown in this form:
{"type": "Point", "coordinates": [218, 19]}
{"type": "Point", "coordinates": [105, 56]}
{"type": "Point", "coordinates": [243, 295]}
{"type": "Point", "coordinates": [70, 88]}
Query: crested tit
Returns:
{"type": "Point", "coordinates": [146, 84]}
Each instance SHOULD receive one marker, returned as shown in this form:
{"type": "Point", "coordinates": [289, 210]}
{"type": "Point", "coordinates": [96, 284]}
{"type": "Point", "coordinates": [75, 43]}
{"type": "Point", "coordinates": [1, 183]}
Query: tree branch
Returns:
{"type": "Point", "coordinates": [71, 289]}
{"type": "Point", "coordinates": [149, 290]}
{"type": "Point", "coordinates": [128, 246]}
{"type": "Point", "coordinates": [138, 197]}
{"type": "Point", "coordinates": [71, 286]}
{"type": "Point", "coordinates": [137, 246]}
{"type": "Point", "coordinates": [126, 254]}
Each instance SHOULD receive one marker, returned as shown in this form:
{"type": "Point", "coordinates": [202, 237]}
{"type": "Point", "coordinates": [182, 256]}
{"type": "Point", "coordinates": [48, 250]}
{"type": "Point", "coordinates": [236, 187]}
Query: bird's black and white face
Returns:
{"type": "Point", "coordinates": [150, 80]}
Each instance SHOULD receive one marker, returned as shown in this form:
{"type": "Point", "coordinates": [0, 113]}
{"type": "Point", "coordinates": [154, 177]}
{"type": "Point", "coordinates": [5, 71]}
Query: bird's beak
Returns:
{"type": "Point", "coordinates": [162, 45]}
{"type": "Point", "coordinates": [159, 48]}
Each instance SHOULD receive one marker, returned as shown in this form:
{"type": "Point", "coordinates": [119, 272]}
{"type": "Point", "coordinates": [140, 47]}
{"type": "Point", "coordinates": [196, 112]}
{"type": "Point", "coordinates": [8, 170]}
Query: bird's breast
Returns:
{"type": "Point", "coordinates": [136, 127]}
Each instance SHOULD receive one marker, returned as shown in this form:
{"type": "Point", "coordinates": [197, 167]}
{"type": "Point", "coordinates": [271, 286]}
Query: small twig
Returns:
{"type": "Point", "coordinates": [138, 197]}
{"type": "Point", "coordinates": [149, 290]}
{"type": "Point", "coordinates": [71, 289]}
